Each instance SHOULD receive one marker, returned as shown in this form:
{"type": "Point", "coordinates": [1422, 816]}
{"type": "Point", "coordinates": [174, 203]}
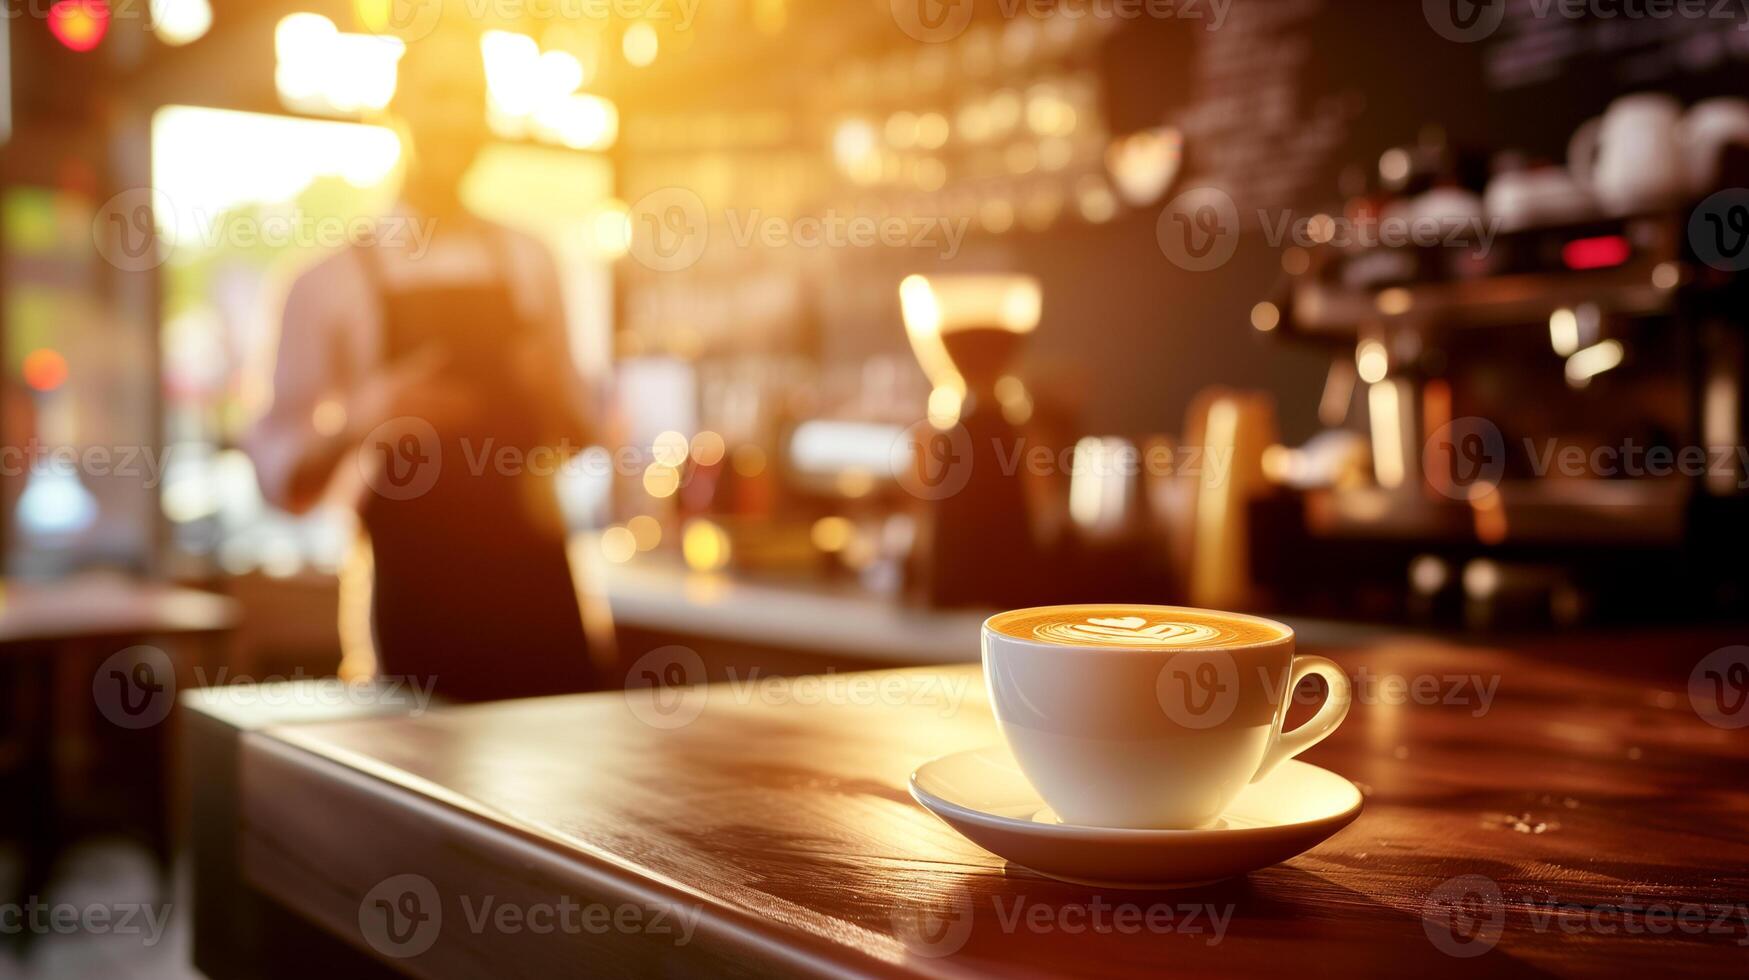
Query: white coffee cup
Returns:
{"type": "Point", "coordinates": [1631, 157]}
{"type": "Point", "coordinates": [1115, 731]}
{"type": "Point", "coordinates": [1710, 126]}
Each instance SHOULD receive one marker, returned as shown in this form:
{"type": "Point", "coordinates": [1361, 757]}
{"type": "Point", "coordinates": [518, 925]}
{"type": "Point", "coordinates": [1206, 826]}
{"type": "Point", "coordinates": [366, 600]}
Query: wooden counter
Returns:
{"type": "Point", "coordinates": [842, 624]}
{"type": "Point", "coordinates": [826, 624]}
{"type": "Point", "coordinates": [773, 827]}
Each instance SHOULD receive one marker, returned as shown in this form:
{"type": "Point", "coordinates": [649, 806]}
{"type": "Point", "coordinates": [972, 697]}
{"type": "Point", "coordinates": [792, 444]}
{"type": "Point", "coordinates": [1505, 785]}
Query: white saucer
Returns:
{"type": "Point", "coordinates": [983, 795]}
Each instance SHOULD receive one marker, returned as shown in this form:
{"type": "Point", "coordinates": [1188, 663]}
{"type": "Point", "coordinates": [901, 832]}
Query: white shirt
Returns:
{"type": "Point", "coordinates": [331, 334]}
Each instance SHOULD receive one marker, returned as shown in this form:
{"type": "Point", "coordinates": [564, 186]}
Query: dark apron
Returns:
{"type": "Point", "coordinates": [472, 590]}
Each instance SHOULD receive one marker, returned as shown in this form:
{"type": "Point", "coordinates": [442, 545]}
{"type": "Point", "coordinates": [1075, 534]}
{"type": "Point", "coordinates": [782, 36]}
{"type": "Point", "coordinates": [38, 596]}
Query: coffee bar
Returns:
{"type": "Point", "coordinates": [1209, 488]}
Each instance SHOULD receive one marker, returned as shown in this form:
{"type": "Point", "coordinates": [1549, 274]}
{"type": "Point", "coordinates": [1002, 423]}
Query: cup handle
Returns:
{"type": "Point", "coordinates": [1582, 151]}
{"type": "Point", "coordinates": [1330, 713]}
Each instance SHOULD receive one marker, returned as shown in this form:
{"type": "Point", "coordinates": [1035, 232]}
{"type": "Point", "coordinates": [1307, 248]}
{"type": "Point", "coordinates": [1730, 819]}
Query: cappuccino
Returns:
{"type": "Point", "coordinates": [1149, 716]}
{"type": "Point", "coordinates": [1140, 627]}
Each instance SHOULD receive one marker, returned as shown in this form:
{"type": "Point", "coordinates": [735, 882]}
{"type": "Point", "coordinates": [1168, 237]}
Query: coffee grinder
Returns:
{"type": "Point", "coordinates": [975, 543]}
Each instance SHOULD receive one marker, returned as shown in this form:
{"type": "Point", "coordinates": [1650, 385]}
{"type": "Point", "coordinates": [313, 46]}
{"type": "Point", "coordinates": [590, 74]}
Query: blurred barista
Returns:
{"type": "Point", "coordinates": [430, 369]}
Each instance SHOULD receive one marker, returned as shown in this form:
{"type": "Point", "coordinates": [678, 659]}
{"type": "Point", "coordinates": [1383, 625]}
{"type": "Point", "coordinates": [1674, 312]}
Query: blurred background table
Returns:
{"type": "Point", "coordinates": [782, 824]}
{"type": "Point", "coordinates": [74, 771]}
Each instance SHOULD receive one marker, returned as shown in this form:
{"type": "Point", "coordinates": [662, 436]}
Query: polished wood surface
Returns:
{"type": "Point", "coordinates": [1582, 785]}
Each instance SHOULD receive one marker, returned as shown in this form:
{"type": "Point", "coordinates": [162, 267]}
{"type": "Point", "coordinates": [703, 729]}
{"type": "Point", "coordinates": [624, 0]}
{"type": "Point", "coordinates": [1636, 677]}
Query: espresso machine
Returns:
{"type": "Point", "coordinates": [1553, 433]}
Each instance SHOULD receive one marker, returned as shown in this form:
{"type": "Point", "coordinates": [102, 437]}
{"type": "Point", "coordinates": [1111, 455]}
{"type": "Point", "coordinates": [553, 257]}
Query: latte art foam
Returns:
{"type": "Point", "coordinates": [1137, 627]}
{"type": "Point", "coordinates": [1128, 631]}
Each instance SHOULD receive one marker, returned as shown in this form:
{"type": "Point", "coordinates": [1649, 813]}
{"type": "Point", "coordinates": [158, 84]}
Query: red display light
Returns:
{"type": "Point", "coordinates": [1603, 252]}
{"type": "Point", "coordinates": [45, 369]}
{"type": "Point", "coordinates": [79, 24]}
